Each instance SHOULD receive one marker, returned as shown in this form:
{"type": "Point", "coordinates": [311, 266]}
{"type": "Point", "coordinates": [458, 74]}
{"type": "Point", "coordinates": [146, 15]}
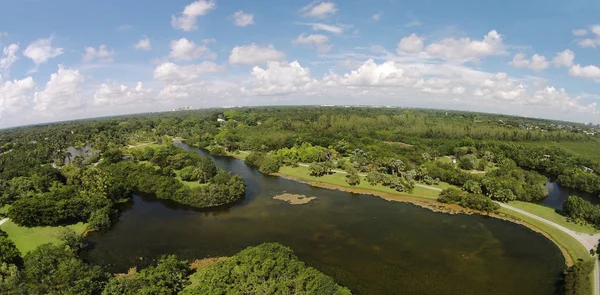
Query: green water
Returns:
{"type": "Point", "coordinates": [365, 243]}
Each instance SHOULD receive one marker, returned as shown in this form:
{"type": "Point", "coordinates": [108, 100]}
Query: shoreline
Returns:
{"type": "Point", "coordinates": [434, 206]}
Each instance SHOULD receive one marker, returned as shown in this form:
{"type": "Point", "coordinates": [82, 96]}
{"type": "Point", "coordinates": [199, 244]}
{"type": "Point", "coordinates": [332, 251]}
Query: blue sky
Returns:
{"type": "Point", "coordinates": [67, 59]}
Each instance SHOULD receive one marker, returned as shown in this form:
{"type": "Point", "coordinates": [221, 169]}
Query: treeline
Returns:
{"type": "Point", "coordinates": [578, 209]}
{"type": "Point", "coordinates": [468, 200]}
{"type": "Point", "coordinates": [57, 269]}
{"type": "Point", "coordinates": [76, 193]}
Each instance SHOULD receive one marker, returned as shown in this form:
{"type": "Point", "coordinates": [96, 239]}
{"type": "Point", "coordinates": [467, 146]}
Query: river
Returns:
{"type": "Point", "coordinates": [368, 244]}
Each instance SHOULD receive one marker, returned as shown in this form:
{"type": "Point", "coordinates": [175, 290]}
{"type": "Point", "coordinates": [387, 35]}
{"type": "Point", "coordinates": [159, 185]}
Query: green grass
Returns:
{"type": "Point", "coordinates": [584, 149]}
{"type": "Point", "coordinates": [152, 145]}
{"type": "Point", "coordinates": [29, 238]}
{"type": "Point", "coordinates": [573, 247]}
{"type": "Point", "coordinates": [339, 179]}
{"type": "Point", "coordinates": [552, 215]}
{"type": "Point", "coordinates": [238, 154]}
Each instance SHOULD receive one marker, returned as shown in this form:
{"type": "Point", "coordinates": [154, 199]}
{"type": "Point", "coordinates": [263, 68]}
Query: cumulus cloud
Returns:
{"type": "Point", "coordinates": [560, 99]}
{"type": "Point", "coordinates": [564, 58]}
{"type": "Point", "coordinates": [253, 54]}
{"type": "Point", "coordinates": [536, 63]}
{"type": "Point", "coordinates": [411, 44]}
{"type": "Point", "coordinates": [102, 54]}
{"type": "Point", "coordinates": [143, 44]}
{"type": "Point", "coordinates": [501, 87]}
{"type": "Point", "coordinates": [319, 9]}
{"type": "Point", "coordinates": [591, 72]}
{"type": "Point", "coordinates": [242, 19]}
{"type": "Point", "coordinates": [377, 16]}
{"type": "Point", "coordinates": [113, 94]}
{"type": "Point", "coordinates": [9, 57]}
{"type": "Point", "coordinates": [593, 41]}
{"type": "Point", "coordinates": [279, 78]}
{"type": "Point", "coordinates": [467, 49]}
{"type": "Point", "coordinates": [62, 92]}
{"type": "Point", "coordinates": [41, 50]}
{"type": "Point", "coordinates": [317, 40]}
{"type": "Point", "coordinates": [186, 21]}
{"type": "Point", "coordinates": [16, 94]}
{"type": "Point", "coordinates": [184, 49]}
{"type": "Point", "coordinates": [176, 74]}
{"type": "Point", "coordinates": [372, 74]}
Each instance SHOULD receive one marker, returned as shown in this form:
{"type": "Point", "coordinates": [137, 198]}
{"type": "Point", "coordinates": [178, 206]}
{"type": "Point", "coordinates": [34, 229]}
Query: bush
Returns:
{"type": "Point", "coordinates": [269, 165]}
{"type": "Point", "coordinates": [467, 200]}
{"type": "Point", "coordinates": [217, 150]}
{"type": "Point", "coordinates": [100, 219]}
{"type": "Point", "coordinates": [189, 173]}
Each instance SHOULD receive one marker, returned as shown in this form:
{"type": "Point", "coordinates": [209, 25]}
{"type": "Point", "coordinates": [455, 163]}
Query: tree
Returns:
{"type": "Point", "coordinates": [207, 169]}
{"type": "Point", "coordinates": [467, 162]}
{"type": "Point", "coordinates": [374, 178]}
{"type": "Point", "coordinates": [269, 165]}
{"type": "Point", "coordinates": [577, 277]}
{"type": "Point", "coordinates": [9, 253]}
{"type": "Point", "coordinates": [352, 177]}
{"type": "Point", "coordinates": [422, 172]}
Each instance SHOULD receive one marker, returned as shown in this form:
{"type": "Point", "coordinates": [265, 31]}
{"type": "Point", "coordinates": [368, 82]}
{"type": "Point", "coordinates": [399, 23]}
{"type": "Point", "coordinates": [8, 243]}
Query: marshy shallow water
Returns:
{"type": "Point", "coordinates": [368, 244]}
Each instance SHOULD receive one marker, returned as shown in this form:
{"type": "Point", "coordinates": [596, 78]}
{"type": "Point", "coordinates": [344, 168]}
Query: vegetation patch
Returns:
{"type": "Point", "coordinates": [28, 238]}
{"type": "Point", "coordinates": [294, 199]}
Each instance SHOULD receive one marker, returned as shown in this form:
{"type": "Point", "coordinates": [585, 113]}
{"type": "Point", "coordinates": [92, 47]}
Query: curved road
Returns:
{"type": "Point", "coordinates": [588, 241]}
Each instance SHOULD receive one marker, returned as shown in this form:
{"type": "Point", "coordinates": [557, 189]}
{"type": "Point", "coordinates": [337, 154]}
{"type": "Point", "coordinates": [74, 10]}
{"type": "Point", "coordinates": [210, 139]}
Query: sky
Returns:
{"type": "Point", "coordinates": [72, 59]}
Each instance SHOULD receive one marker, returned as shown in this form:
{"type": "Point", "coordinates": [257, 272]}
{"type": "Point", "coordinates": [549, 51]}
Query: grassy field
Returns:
{"type": "Point", "coordinates": [29, 238]}
{"type": "Point", "coordinates": [145, 145]}
{"type": "Point", "coordinates": [584, 149]}
{"type": "Point", "coordinates": [552, 215]}
{"type": "Point", "coordinates": [339, 179]}
{"type": "Point", "coordinates": [239, 154]}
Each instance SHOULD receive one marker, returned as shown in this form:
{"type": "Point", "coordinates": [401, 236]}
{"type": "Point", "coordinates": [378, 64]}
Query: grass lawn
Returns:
{"type": "Point", "coordinates": [29, 238]}
{"type": "Point", "coordinates": [573, 247]}
{"type": "Point", "coordinates": [239, 154]}
{"type": "Point", "coordinates": [550, 214]}
{"type": "Point", "coordinates": [145, 145]}
{"type": "Point", "coordinates": [339, 179]}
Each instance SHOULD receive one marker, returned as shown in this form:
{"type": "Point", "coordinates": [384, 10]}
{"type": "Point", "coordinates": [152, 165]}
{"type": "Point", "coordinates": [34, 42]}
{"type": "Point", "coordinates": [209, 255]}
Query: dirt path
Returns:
{"type": "Point", "coordinates": [3, 221]}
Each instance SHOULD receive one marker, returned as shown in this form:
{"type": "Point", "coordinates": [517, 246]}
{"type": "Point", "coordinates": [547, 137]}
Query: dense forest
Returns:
{"type": "Point", "coordinates": [488, 157]}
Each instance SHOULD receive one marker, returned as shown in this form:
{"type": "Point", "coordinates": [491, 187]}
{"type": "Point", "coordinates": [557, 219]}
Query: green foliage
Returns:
{"type": "Point", "coordinates": [189, 173]}
{"type": "Point", "coordinates": [467, 162]}
{"type": "Point", "coordinates": [269, 165]}
{"type": "Point", "coordinates": [468, 200]}
{"type": "Point", "coordinates": [100, 219]}
{"type": "Point", "coordinates": [579, 209]}
{"type": "Point", "coordinates": [169, 276]}
{"type": "Point", "coordinates": [9, 254]}
{"type": "Point", "coordinates": [217, 150]}
{"type": "Point", "coordinates": [577, 278]}
{"type": "Point", "coordinates": [352, 177]}
{"type": "Point", "coordinates": [265, 269]}
{"type": "Point", "coordinates": [53, 269]}
{"type": "Point", "coordinates": [320, 168]}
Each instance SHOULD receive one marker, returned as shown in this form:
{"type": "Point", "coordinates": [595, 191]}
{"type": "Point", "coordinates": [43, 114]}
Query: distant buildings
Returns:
{"type": "Point", "coordinates": [186, 108]}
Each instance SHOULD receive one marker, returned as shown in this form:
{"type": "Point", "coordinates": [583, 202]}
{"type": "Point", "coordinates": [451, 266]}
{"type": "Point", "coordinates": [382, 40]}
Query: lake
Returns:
{"type": "Point", "coordinates": [557, 195]}
{"type": "Point", "coordinates": [368, 244]}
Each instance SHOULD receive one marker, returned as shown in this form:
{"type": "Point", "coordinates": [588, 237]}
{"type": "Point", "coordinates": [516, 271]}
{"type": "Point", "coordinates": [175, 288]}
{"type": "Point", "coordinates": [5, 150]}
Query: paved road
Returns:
{"type": "Point", "coordinates": [3, 221]}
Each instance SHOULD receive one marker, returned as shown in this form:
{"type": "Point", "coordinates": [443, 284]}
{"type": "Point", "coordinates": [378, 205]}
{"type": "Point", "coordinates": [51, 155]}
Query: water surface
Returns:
{"type": "Point", "coordinates": [557, 195]}
{"type": "Point", "coordinates": [368, 244]}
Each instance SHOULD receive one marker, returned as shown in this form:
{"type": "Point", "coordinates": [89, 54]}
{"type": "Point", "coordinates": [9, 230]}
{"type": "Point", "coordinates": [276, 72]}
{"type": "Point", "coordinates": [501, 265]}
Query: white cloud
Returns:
{"type": "Point", "coordinates": [411, 44]}
{"type": "Point", "coordinates": [242, 19]}
{"type": "Point", "coordinates": [580, 32]}
{"type": "Point", "coordinates": [564, 58]}
{"type": "Point", "coordinates": [184, 49]}
{"type": "Point", "coordinates": [326, 28]}
{"type": "Point", "coordinates": [176, 74]}
{"type": "Point", "coordinates": [62, 92]}
{"type": "Point", "coordinates": [102, 54]}
{"type": "Point", "coordinates": [592, 41]}
{"type": "Point", "coordinates": [41, 50]}
{"type": "Point", "coordinates": [317, 40]}
{"type": "Point", "coordinates": [537, 62]}
{"type": "Point", "coordinates": [279, 78]}
{"type": "Point", "coordinates": [458, 90]}
{"type": "Point", "coordinates": [9, 57]}
{"type": "Point", "coordinates": [112, 94]}
{"type": "Point", "coordinates": [15, 95]}
{"type": "Point", "coordinates": [501, 87]}
{"type": "Point", "coordinates": [467, 49]}
{"type": "Point", "coordinates": [588, 72]}
{"type": "Point", "coordinates": [319, 9]}
{"type": "Point", "coordinates": [372, 74]}
{"type": "Point", "coordinates": [560, 99]}
{"type": "Point", "coordinates": [143, 44]}
{"type": "Point", "coordinates": [187, 19]}
{"type": "Point", "coordinates": [253, 54]}
{"type": "Point", "coordinates": [377, 16]}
